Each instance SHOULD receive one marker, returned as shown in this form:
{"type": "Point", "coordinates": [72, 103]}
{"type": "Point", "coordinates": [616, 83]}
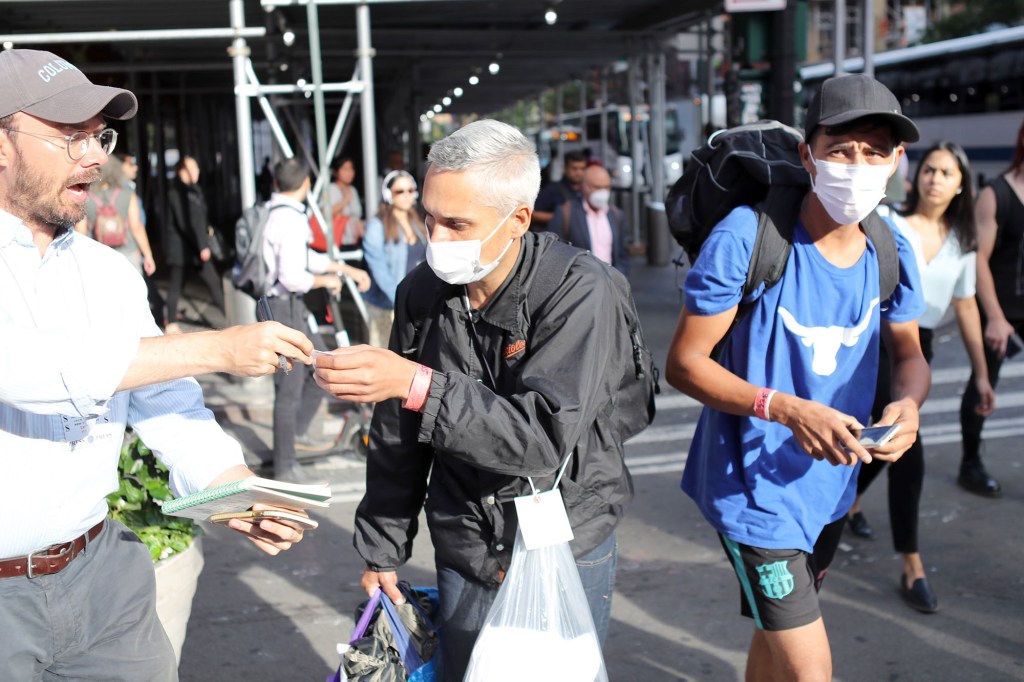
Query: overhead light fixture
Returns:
{"type": "Point", "coordinates": [457, 92]}
{"type": "Point", "coordinates": [473, 80]}
{"type": "Point", "coordinates": [550, 16]}
{"type": "Point", "coordinates": [288, 37]}
{"type": "Point", "coordinates": [283, 66]}
{"type": "Point", "coordinates": [430, 114]}
{"type": "Point", "coordinates": [446, 101]}
{"type": "Point", "coordinates": [494, 68]}
{"type": "Point", "coordinates": [437, 108]}
{"type": "Point", "coordinates": [301, 82]}
{"type": "Point", "coordinates": [8, 45]}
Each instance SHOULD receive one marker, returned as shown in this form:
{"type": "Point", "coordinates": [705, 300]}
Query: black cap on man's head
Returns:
{"type": "Point", "coordinates": [43, 85]}
{"type": "Point", "coordinates": [843, 99]}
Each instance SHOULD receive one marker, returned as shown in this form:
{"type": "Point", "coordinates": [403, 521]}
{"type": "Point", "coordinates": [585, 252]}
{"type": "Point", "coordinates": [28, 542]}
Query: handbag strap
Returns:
{"type": "Point", "coordinates": [403, 642]}
{"type": "Point", "coordinates": [364, 620]}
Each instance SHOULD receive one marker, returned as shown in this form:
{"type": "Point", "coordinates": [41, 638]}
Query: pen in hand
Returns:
{"type": "Point", "coordinates": [264, 314]}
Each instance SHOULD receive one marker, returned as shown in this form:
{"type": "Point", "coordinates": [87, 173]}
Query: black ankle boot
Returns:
{"type": "Point", "coordinates": [973, 478]}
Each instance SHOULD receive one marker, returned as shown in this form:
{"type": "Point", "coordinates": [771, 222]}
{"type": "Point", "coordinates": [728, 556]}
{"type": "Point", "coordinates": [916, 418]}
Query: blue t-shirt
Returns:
{"type": "Point", "coordinates": [815, 334]}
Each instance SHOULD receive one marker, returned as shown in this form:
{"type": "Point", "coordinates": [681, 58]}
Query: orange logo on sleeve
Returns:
{"type": "Point", "coordinates": [514, 349]}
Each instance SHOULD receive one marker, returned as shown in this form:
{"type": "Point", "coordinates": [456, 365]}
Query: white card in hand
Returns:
{"type": "Point", "coordinates": [543, 520]}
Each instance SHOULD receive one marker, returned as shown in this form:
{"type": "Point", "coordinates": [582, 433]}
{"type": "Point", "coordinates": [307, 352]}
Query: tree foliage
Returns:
{"type": "Point", "coordinates": [976, 16]}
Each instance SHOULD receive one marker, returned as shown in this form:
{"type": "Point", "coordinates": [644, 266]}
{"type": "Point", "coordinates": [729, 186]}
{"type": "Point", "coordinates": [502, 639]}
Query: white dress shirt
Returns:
{"type": "Point", "coordinates": [291, 264]}
{"type": "Point", "coordinates": [70, 324]}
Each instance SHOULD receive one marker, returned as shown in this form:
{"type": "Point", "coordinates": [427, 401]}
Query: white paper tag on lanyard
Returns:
{"type": "Point", "coordinates": [543, 520]}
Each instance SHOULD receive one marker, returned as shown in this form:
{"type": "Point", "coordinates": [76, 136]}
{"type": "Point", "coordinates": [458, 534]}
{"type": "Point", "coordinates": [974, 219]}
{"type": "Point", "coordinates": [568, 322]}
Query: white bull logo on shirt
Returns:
{"type": "Point", "coordinates": [826, 341]}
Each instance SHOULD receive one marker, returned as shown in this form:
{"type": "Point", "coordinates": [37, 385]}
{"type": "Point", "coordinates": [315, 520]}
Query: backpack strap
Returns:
{"type": "Point", "coordinates": [557, 260]}
{"type": "Point", "coordinates": [880, 234]}
{"type": "Point", "coordinates": [776, 217]}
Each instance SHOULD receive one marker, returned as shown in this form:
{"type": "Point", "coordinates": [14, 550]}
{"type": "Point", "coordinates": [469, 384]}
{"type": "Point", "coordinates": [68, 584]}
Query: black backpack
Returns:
{"type": "Point", "coordinates": [250, 272]}
{"type": "Point", "coordinates": [632, 405]}
{"type": "Point", "coordinates": [758, 165]}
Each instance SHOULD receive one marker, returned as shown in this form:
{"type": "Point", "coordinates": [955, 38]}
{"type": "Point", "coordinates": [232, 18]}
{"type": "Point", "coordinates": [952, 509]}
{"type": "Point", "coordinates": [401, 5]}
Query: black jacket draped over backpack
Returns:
{"type": "Point", "coordinates": [509, 398]}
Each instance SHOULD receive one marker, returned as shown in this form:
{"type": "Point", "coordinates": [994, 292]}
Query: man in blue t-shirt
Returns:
{"type": "Point", "coordinates": [774, 458]}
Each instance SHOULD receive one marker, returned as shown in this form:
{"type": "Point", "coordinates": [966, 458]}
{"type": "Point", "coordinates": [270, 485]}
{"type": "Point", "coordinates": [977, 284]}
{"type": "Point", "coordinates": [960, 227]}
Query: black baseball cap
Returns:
{"type": "Point", "coordinates": [842, 99]}
{"type": "Point", "coordinates": [44, 85]}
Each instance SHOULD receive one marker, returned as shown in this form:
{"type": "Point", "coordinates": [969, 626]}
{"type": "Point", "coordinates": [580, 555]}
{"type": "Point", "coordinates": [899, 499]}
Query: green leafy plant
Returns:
{"type": "Point", "coordinates": [143, 488]}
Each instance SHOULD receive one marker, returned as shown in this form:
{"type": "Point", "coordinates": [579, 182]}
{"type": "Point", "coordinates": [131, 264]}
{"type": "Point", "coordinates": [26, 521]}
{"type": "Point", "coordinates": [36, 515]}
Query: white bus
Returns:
{"type": "Point", "coordinates": [968, 90]}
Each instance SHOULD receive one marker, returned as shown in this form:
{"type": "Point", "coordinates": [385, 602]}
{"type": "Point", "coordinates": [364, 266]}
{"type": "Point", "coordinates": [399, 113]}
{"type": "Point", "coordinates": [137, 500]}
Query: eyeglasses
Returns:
{"type": "Point", "coordinates": [396, 192]}
{"type": "Point", "coordinates": [78, 143]}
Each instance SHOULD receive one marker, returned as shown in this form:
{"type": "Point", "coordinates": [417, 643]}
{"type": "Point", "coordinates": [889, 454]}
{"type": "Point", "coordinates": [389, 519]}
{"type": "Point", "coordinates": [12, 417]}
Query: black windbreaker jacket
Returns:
{"type": "Point", "coordinates": [509, 398]}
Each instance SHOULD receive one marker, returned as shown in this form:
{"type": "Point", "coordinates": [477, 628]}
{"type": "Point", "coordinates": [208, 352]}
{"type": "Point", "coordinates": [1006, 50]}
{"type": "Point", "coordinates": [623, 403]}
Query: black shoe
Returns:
{"type": "Point", "coordinates": [973, 478]}
{"type": "Point", "coordinates": [305, 443]}
{"type": "Point", "coordinates": [860, 526]}
{"type": "Point", "coordinates": [920, 596]}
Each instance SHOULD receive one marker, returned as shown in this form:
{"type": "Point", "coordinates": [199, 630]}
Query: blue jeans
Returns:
{"type": "Point", "coordinates": [464, 605]}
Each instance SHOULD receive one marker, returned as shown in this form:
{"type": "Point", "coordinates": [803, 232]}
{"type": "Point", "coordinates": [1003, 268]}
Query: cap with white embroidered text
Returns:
{"type": "Point", "coordinates": [43, 85]}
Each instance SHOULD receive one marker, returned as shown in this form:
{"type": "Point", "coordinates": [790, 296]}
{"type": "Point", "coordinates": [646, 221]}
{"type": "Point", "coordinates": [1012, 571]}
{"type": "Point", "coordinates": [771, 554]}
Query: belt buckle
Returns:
{"type": "Point", "coordinates": [68, 547]}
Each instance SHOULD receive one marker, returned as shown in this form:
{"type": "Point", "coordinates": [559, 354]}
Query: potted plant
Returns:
{"type": "Point", "coordinates": [173, 542]}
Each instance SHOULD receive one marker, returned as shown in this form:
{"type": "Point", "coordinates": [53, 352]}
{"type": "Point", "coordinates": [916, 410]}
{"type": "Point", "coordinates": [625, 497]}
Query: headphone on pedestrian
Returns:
{"type": "Point", "coordinates": [385, 186]}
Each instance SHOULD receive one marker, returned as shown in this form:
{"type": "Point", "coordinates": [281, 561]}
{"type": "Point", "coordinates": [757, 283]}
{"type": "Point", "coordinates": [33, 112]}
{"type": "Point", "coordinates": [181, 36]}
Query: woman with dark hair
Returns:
{"type": "Point", "coordinates": [343, 199]}
{"type": "Point", "coordinates": [394, 243]}
{"type": "Point", "coordinates": [1000, 219]}
{"type": "Point", "coordinates": [939, 224]}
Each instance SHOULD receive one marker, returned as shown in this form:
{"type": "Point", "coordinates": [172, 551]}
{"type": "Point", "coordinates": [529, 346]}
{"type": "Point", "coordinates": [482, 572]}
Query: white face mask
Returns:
{"type": "Point", "coordinates": [849, 191]}
{"type": "Point", "coordinates": [600, 198]}
{"type": "Point", "coordinates": [458, 262]}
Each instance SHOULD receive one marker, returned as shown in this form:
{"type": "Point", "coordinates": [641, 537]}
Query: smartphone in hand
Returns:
{"type": "Point", "coordinates": [282, 515]}
{"type": "Point", "coordinates": [264, 314]}
{"type": "Point", "coordinates": [876, 436]}
{"type": "Point", "coordinates": [1014, 345]}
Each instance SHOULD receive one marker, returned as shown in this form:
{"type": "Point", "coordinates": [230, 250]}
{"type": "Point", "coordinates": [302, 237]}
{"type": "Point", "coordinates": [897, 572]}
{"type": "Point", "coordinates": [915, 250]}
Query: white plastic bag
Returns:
{"type": "Point", "coordinates": [539, 628]}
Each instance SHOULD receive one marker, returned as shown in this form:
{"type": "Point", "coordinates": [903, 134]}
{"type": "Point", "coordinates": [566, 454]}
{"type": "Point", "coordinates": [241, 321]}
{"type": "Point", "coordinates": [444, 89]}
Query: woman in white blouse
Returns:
{"type": "Point", "coordinates": [939, 224]}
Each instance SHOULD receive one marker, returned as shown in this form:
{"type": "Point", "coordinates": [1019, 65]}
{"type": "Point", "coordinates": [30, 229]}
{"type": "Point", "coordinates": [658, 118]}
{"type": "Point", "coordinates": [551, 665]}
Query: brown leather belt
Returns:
{"type": "Point", "coordinates": [51, 560]}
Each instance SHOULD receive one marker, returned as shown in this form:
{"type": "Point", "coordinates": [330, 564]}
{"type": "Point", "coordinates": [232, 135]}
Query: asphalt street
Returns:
{"type": "Point", "coordinates": [675, 610]}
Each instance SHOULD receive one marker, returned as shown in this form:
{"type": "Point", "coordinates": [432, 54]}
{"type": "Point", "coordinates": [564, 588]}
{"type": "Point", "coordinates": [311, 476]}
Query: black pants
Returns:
{"type": "Point", "coordinates": [906, 475]}
{"type": "Point", "coordinates": [296, 395]}
{"type": "Point", "coordinates": [207, 272]}
{"type": "Point", "coordinates": [971, 423]}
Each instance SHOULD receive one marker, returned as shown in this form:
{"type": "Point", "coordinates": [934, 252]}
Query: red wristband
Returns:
{"type": "Point", "coordinates": [419, 389]}
{"type": "Point", "coordinates": [761, 403]}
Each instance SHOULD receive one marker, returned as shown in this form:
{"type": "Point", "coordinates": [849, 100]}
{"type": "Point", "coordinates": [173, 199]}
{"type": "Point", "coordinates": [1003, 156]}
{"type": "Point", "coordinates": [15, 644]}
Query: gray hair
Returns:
{"type": "Point", "coordinates": [500, 156]}
{"type": "Point", "coordinates": [112, 173]}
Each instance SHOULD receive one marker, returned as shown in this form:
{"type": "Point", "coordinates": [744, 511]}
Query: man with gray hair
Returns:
{"type": "Point", "coordinates": [478, 392]}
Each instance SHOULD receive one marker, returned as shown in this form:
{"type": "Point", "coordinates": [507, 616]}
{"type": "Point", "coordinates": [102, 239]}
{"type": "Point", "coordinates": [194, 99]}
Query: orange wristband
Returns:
{"type": "Point", "coordinates": [761, 403]}
{"type": "Point", "coordinates": [419, 389]}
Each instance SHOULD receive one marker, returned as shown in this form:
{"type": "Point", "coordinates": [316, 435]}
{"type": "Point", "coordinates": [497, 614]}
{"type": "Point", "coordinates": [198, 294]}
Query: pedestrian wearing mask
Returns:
{"type": "Point", "coordinates": [592, 223]}
{"type": "Point", "coordinates": [773, 461]}
{"type": "Point", "coordinates": [468, 405]}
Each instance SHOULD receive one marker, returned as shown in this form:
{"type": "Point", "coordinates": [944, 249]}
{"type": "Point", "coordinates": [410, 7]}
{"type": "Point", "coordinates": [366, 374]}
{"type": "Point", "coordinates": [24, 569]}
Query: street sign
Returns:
{"type": "Point", "coordinates": [754, 5]}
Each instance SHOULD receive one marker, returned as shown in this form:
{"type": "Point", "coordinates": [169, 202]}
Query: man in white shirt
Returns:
{"type": "Point", "coordinates": [80, 359]}
{"type": "Point", "coordinates": [593, 223]}
{"type": "Point", "coordinates": [295, 269]}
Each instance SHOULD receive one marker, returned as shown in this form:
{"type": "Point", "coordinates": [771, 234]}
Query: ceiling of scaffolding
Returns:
{"type": "Point", "coordinates": [434, 45]}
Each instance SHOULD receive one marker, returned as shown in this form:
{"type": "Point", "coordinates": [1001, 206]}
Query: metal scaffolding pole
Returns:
{"type": "Point", "coordinates": [869, 38]}
{"type": "Point", "coordinates": [235, 32]}
{"type": "Point", "coordinates": [320, 119]}
{"type": "Point", "coordinates": [238, 311]}
{"type": "Point", "coordinates": [634, 145]}
{"type": "Point", "coordinates": [560, 143]}
{"type": "Point", "coordinates": [583, 111]}
{"type": "Point", "coordinates": [656, 75]}
{"type": "Point", "coordinates": [839, 36]}
{"type": "Point", "coordinates": [367, 113]}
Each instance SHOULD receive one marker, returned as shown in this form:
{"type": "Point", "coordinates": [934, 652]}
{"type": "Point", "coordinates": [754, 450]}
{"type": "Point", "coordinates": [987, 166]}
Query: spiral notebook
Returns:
{"type": "Point", "coordinates": [243, 494]}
